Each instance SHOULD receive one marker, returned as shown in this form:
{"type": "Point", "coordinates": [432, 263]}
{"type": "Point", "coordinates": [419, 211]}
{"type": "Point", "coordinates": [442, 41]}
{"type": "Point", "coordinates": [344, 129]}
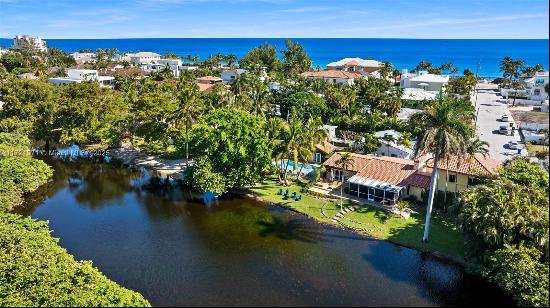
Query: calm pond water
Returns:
{"type": "Point", "coordinates": [235, 252]}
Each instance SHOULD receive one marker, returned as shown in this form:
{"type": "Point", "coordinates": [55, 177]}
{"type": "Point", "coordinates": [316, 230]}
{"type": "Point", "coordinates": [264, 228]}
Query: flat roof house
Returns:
{"type": "Point", "coordinates": [424, 80]}
{"type": "Point", "coordinates": [334, 76]}
{"type": "Point", "coordinates": [390, 146]}
{"type": "Point", "coordinates": [140, 57]}
{"type": "Point", "coordinates": [230, 75]}
{"type": "Point", "coordinates": [158, 65]}
{"type": "Point", "coordinates": [80, 75]}
{"type": "Point", "coordinates": [535, 87]}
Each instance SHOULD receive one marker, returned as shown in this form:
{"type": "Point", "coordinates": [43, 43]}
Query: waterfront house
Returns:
{"type": "Point", "coordinates": [207, 82]}
{"type": "Point", "coordinates": [367, 67]}
{"type": "Point", "coordinates": [423, 80]}
{"type": "Point", "coordinates": [389, 145]}
{"type": "Point", "coordinates": [384, 180]}
{"type": "Point", "coordinates": [81, 75]}
{"type": "Point", "coordinates": [379, 179]}
{"type": "Point", "coordinates": [334, 76]}
{"type": "Point", "coordinates": [457, 173]}
{"type": "Point", "coordinates": [26, 42]}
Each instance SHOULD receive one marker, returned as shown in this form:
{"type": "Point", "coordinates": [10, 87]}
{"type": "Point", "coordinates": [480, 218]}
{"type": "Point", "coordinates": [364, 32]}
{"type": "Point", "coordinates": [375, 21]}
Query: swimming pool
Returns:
{"type": "Point", "coordinates": [306, 169]}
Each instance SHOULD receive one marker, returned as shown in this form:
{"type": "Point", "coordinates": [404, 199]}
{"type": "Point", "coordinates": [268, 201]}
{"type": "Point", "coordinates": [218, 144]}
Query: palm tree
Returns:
{"type": "Point", "coordinates": [445, 129]}
{"type": "Point", "coordinates": [344, 162]}
{"type": "Point", "coordinates": [188, 109]}
{"type": "Point", "coordinates": [294, 145]}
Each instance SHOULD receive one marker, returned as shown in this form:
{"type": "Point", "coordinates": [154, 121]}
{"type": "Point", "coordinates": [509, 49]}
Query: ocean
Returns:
{"type": "Point", "coordinates": [403, 53]}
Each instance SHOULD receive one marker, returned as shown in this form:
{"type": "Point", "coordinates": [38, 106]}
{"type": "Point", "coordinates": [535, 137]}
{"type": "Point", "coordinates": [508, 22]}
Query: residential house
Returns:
{"type": "Point", "coordinates": [385, 179]}
{"type": "Point", "coordinates": [461, 172]}
{"type": "Point", "coordinates": [323, 150]}
{"type": "Point", "coordinates": [534, 87]}
{"type": "Point", "coordinates": [423, 80]}
{"type": "Point", "coordinates": [389, 145]}
{"type": "Point", "coordinates": [415, 94]}
{"type": "Point", "coordinates": [334, 76]}
{"type": "Point", "coordinates": [139, 58]}
{"type": "Point", "coordinates": [21, 42]}
{"type": "Point", "coordinates": [80, 75]}
{"type": "Point", "coordinates": [367, 67]}
{"type": "Point", "coordinates": [230, 75]}
{"type": "Point", "coordinates": [27, 76]}
{"type": "Point", "coordinates": [379, 179]}
{"type": "Point", "coordinates": [207, 82]}
{"type": "Point", "coordinates": [83, 55]}
{"type": "Point", "coordinates": [160, 64]}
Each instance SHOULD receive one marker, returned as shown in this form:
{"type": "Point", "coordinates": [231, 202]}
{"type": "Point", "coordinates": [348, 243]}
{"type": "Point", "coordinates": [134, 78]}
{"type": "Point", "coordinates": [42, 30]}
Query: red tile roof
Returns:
{"type": "Point", "coordinates": [332, 74]}
{"type": "Point", "coordinates": [471, 165]}
{"type": "Point", "coordinates": [391, 170]}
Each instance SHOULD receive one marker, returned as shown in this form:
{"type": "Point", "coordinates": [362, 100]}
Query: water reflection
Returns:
{"type": "Point", "coordinates": [145, 234]}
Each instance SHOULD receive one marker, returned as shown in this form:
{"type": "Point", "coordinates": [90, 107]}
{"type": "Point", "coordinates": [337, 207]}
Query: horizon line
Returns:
{"type": "Point", "coordinates": [347, 38]}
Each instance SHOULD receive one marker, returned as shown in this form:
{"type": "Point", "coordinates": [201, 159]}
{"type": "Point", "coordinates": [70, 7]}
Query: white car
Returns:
{"type": "Point", "coordinates": [514, 145]}
{"type": "Point", "coordinates": [504, 118]}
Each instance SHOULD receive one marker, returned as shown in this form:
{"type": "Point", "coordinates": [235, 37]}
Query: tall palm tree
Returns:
{"type": "Point", "coordinates": [188, 110]}
{"type": "Point", "coordinates": [344, 162]}
{"type": "Point", "coordinates": [445, 129]}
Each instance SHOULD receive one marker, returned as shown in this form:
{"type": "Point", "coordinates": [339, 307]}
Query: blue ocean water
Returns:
{"type": "Point", "coordinates": [403, 53]}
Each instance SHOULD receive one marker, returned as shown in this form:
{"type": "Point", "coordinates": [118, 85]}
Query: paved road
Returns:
{"type": "Point", "coordinates": [488, 111]}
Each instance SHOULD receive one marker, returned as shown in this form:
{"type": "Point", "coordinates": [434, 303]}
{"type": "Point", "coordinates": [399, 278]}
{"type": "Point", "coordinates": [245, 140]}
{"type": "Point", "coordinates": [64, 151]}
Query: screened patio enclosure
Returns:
{"type": "Point", "coordinates": [374, 191]}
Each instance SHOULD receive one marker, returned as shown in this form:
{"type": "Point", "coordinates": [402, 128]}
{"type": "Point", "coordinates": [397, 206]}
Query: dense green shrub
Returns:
{"type": "Point", "coordinates": [36, 271]}
{"type": "Point", "coordinates": [27, 173]}
{"type": "Point", "coordinates": [523, 172]}
{"type": "Point", "coordinates": [520, 274]}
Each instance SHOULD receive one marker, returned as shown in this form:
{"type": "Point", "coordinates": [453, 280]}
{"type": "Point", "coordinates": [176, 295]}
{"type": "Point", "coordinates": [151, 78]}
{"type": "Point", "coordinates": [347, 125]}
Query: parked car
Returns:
{"type": "Point", "coordinates": [505, 130]}
{"type": "Point", "coordinates": [514, 145]}
{"type": "Point", "coordinates": [505, 118]}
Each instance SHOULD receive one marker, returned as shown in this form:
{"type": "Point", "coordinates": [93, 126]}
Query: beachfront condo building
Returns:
{"type": "Point", "coordinates": [26, 42]}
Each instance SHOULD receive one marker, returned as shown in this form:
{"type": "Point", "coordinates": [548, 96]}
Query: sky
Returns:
{"type": "Point", "coordinates": [275, 18]}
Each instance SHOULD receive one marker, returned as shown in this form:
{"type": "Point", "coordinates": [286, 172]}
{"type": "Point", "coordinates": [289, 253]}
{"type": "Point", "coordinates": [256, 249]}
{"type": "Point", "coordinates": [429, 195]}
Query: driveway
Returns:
{"type": "Point", "coordinates": [489, 109]}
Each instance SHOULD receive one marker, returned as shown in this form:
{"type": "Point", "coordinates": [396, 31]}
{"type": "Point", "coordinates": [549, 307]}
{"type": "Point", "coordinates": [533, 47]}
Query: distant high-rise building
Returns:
{"type": "Point", "coordinates": [29, 42]}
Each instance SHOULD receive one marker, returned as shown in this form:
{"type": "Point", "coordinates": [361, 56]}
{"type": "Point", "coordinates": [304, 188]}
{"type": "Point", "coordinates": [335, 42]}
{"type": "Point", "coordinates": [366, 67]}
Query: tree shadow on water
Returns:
{"type": "Point", "coordinates": [292, 229]}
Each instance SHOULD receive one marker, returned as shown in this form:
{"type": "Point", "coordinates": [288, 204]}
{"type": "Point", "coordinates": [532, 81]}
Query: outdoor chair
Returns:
{"type": "Point", "coordinates": [280, 191]}
{"type": "Point", "coordinates": [298, 198]}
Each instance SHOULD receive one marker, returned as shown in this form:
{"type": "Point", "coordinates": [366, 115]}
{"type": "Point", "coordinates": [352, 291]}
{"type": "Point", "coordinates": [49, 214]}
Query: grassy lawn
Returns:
{"type": "Point", "coordinates": [444, 237]}
{"type": "Point", "coordinates": [533, 149]}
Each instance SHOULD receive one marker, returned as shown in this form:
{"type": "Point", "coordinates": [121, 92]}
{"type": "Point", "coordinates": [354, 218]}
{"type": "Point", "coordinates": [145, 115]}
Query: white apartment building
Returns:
{"type": "Point", "coordinates": [80, 75]}
{"type": "Point", "coordinates": [21, 42]}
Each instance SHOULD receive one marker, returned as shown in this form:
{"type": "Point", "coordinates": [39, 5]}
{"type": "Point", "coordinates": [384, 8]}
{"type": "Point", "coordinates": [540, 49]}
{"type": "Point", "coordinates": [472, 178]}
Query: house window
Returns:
{"type": "Point", "coordinates": [393, 155]}
{"type": "Point", "coordinates": [317, 157]}
{"type": "Point", "coordinates": [471, 181]}
{"type": "Point", "coordinates": [452, 178]}
{"type": "Point", "coordinates": [537, 92]}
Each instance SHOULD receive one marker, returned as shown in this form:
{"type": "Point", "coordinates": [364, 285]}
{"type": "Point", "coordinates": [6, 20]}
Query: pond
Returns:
{"type": "Point", "coordinates": [148, 237]}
